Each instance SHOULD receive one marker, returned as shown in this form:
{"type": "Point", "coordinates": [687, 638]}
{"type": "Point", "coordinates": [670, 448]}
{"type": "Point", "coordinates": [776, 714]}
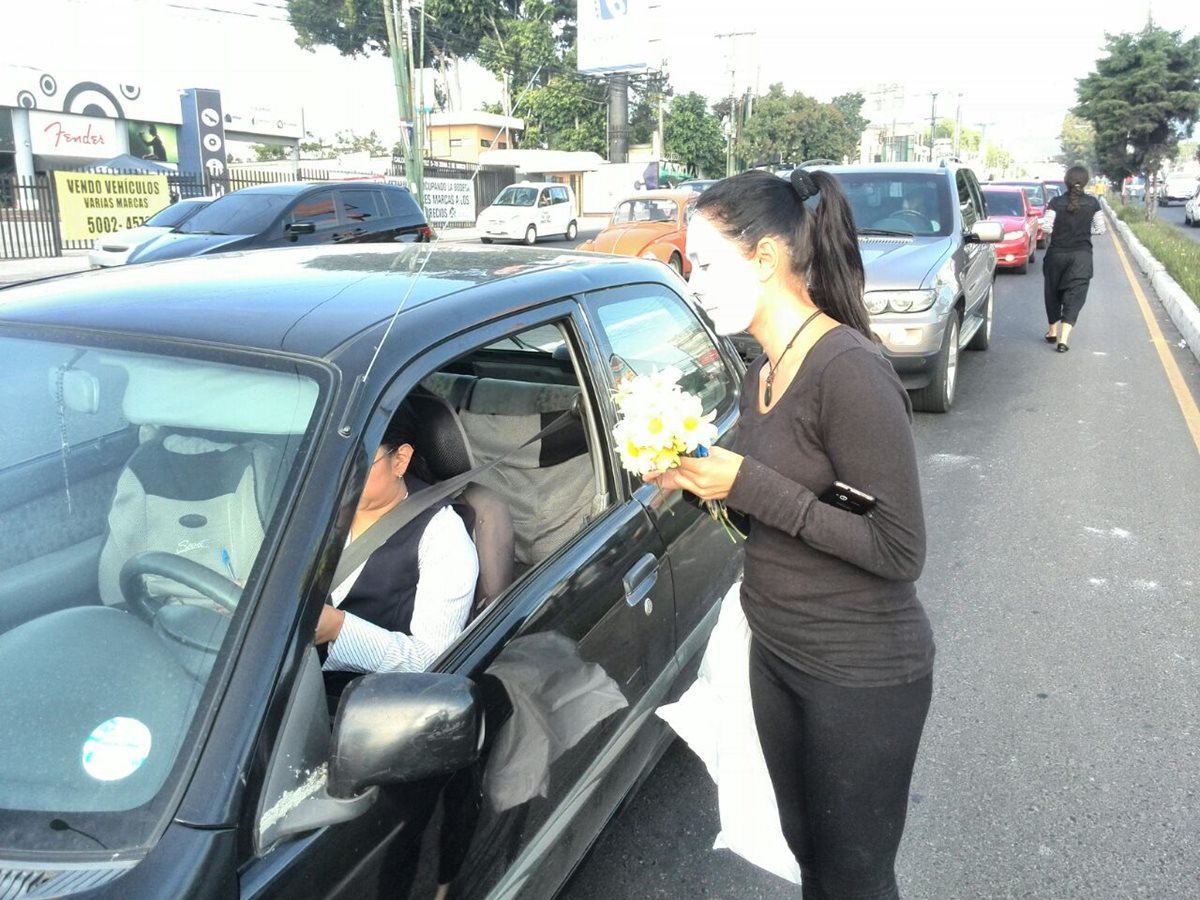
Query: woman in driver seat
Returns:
{"type": "Point", "coordinates": [411, 598]}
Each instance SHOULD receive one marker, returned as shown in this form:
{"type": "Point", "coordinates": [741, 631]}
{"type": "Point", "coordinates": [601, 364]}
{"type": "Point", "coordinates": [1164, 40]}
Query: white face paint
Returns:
{"type": "Point", "coordinates": [725, 283]}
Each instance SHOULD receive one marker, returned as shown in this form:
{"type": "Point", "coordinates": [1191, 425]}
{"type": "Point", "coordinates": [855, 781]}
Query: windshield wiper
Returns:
{"type": "Point", "coordinates": [221, 233]}
{"type": "Point", "coordinates": [884, 232]}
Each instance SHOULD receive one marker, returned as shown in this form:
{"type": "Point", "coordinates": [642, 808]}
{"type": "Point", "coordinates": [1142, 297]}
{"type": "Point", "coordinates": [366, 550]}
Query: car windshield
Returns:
{"type": "Point", "coordinates": [176, 213]}
{"type": "Point", "coordinates": [1003, 203]}
{"type": "Point", "coordinates": [645, 211]}
{"type": "Point", "coordinates": [908, 202]}
{"type": "Point", "coordinates": [1035, 194]}
{"type": "Point", "coordinates": [134, 501]}
{"type": "Point", "coordinates": [516, 196]}
{"type": "Point", "coordinates": [236, 213]}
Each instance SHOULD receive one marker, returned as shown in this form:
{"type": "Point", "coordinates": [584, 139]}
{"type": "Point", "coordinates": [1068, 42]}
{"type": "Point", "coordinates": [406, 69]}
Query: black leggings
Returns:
{"type": "Point", "coordinates": [841, 761]}
{"type": "Point", "coordinates": [1067, 276]}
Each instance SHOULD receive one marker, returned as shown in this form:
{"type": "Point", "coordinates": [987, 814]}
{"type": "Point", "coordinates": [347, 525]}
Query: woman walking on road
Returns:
{"type": "Point", "coordinates": [841, 656]}
{"type": "Point", "coordinates": [1071, 220]}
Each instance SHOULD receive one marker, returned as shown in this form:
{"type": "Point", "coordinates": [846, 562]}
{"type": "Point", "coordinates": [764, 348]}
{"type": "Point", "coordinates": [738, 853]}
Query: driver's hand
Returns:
{"type": "Point", "coordinates": [329, 626]}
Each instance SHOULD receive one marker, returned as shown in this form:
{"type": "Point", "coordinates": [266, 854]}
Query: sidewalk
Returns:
{"type": "Point", "coordinates": [13, 271]}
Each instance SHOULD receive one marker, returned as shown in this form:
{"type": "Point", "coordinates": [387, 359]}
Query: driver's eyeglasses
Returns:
{"type": "Point", "coordinates": [387, 454]}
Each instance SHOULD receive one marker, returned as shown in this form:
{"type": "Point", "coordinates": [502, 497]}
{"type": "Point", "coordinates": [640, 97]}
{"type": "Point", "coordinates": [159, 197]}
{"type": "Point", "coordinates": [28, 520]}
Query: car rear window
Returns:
{"type": "Point", "coordinates": [401, 205]}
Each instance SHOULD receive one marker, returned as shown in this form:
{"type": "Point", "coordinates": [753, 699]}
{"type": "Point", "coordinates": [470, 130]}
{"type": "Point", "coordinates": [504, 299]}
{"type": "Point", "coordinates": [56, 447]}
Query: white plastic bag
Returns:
{"type": "Point", "coordinates": [716, 719]}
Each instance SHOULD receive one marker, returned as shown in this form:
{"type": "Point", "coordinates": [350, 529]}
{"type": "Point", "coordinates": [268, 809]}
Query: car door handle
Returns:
{"type": "Point", "coordinates": [640, 580]}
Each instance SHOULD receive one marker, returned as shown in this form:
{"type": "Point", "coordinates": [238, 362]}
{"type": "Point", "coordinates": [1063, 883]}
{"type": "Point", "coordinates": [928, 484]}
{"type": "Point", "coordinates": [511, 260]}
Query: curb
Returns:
{"type": "Point", "coordinates": [1179, 306]}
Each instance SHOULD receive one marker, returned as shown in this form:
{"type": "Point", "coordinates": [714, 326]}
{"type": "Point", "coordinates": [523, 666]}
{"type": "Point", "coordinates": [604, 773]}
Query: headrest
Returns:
{"type": "Point", "coordinates": [499, 396]}
{"type": "Point", "coordinates": [440, 440]}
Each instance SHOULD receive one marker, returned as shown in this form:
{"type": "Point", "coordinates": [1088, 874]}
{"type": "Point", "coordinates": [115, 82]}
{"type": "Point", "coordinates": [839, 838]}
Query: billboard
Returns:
{"type": "Point", "coordinates": [449, 201]}
{"type": "Point", "coordinates": [154, 140]}
{"type": "Point", "coordinates": [619, 36]}
{"type": "Point", "coordinates": [91, 205]}
{"type": "Point", "coordinates": [59, 134]}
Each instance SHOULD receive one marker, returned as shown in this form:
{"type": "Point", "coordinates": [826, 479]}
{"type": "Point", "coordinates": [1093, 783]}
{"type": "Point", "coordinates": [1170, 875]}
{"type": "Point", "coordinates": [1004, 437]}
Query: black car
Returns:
{"type": "Point", "coordinates": [291, 213]}
{"type": "Point", "coordinates": [193, 439]}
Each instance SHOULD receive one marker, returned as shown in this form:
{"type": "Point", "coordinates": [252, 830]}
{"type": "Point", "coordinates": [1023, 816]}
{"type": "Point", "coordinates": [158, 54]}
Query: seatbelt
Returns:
{"type": "Point", "coordinates": [390, 523]}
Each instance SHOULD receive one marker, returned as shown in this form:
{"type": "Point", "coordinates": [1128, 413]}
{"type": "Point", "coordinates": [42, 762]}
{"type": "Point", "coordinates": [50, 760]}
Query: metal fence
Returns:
{"type": "Point", "coordinates": [30, 224]}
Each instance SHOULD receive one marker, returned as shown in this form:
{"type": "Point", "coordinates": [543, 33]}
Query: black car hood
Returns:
{"type": "Point", "coordinates": [176, 245]}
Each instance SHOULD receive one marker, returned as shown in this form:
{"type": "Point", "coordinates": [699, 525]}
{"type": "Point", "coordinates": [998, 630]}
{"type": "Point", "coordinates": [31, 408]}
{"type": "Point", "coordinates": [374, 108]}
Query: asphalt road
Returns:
{"type": "Point", "coordinates": [1061, 753]}
{"type": "Point", "coordinates": [1174, 215]}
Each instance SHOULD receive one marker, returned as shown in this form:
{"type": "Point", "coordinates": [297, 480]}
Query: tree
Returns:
{"type": "Point", "coordinates": [1143, 97]}
{"type": "Point", "coordinates": [1078, 141]}
{"type": "Point", "coordinates": [569, 112]}
{"type": "Point", "coordinates": [268, 152]}
{"type": "Point", "coordinates": [349, 142]}
{"type": "Point", "coordinates": [850, 106]}
{"type": "Point", "coordinates": [790, 129]}
{"type": "Point", "coordinates": [693, 135]}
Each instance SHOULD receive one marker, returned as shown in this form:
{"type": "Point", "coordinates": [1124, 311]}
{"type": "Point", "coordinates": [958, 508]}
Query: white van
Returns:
{"type": "Point", "coordinates": [528, 210]}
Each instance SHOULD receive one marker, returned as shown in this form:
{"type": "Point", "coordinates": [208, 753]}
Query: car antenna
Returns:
{"type": "Point", "coordinates": [360, 383]}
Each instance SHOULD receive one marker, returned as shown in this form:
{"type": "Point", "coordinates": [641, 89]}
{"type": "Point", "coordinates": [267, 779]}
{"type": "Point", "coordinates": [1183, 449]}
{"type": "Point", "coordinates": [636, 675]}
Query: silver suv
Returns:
{"type": "Point", "coordinates": [925, 242]}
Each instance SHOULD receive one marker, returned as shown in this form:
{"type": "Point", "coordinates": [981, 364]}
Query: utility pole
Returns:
{"type": "Point", "coordinates": [395, 16]}
{"type": "Point", "coordinates": [734, 129]}
{"type": "Point", "coordinates": [932, 121]}
{"type": "Point", "coordinates": [618, 117]}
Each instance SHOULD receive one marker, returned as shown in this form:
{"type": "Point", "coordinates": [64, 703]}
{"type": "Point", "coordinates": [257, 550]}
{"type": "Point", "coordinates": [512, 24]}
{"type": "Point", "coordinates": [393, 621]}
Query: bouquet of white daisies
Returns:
{"type": "Point", "coordinates": [658, 422]}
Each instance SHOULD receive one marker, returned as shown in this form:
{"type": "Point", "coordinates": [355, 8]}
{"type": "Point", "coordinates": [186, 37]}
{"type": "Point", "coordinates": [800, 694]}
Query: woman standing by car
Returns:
{"type": "Point", "coordinates": [841, 656]}
{"type": "Point", "coordinates": [1071, 220]}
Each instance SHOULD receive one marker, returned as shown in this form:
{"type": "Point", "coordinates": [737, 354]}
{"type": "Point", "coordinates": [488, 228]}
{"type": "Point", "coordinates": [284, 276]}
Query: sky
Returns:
{"type": "Point", "coordinates": [1016, 71]}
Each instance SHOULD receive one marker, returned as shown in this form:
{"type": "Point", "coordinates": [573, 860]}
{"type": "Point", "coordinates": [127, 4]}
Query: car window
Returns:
{"type": "Point", "coordinates": [318, 208]}
{"type": "Point", "coordinates": [650, 328]}
{"type": "Point", "coordinates": [400, 204]}
{"type": "Point", "coordinates": [636, 210]}
{"type": "Point", "coordinates": [560, 195]}
{"type": "Point", "coordinates": [174, 214]}
{"type": "Point", "coordinates": [966, 203]}
{"type": "Point", "coordinates": [237, 213]}
{"type": "Point", "coordinates": [910, 202]}
{"type": "Point", "coordinates": [545, 199]}
{"type": "Point", "coordinates": [106, 661]}
{"type": "Point", "coordinates": [516, 196]}
{"type": "Point", "coordinates": [360, 207]}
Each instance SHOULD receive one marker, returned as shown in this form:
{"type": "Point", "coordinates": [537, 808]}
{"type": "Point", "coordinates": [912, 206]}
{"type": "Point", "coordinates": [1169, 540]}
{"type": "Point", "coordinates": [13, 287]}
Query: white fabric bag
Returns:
{"type": "Point", "coordinates": [715, 718]}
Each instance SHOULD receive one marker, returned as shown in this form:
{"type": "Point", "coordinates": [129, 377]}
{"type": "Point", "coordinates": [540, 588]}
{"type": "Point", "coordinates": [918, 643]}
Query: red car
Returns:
{"type": "Point", "coordinates": [1035, 193]}
{"type": "Point", "coordinates": [1009, 204]}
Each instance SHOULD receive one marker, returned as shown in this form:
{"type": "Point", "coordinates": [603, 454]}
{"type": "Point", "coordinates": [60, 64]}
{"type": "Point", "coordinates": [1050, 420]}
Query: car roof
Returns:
{"type": "Point", "coordinates": [1002, 186]}
{"type": "Point", "coordinates": [885, 168]}
{"type": "Point", "coordinates": [295, 188]}
{"type": "Point", "coordinates": [539, 184]}
{"type": "Point", "coordinates": [309, 300]}
{"type": "Point", "coordinates": [664, 194]}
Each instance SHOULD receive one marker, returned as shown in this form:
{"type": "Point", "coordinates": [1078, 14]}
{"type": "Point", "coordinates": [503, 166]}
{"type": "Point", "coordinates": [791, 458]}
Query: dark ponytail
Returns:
{"type": "Point", "coordinates": [822, 241]}
{"type": "Point", "coordinates": [1077, 178]}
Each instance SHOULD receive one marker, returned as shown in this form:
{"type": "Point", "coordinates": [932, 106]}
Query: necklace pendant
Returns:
{"type": "Point", "coordinates": [767, 395]}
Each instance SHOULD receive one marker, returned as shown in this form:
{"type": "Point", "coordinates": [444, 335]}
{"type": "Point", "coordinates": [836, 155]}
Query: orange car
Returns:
{"type": "Point", "coordinates": [649, 224]}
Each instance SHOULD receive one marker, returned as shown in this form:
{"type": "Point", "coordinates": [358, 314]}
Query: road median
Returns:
{"type": "Point", "coordinates": [1178, 260]}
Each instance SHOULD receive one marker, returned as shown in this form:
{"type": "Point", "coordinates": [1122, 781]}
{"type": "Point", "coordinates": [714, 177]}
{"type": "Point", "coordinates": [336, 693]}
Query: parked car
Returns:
{"type": "Point", "coordinates": [1035, 192]}
{"type": "Point", "coordinates": [1177, 187]}
{"type": "Point", "coordinates": [194, 438]}
{"type": "Point", "coordinates": [1010, 207]}
{"type": "Point", "coordinates": [1134, 187]}
{"type": "Point", "coordinates": [528, 210]}
{"type": "Point", "coordinates": [114, 249]}
{"type": "Point", "coordinates": [649, 224]}
{"type": "Point", "coordinates": [698, 185]}
{"type": "Point", "coordinates": [1191, 209]}
{"type": "Point", "coordinates": [290, 213]}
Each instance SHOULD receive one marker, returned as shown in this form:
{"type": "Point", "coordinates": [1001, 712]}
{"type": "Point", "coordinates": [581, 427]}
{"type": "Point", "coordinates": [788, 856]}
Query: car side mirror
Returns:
{"type": "Point", "coordinates": [986, 232]}
{"type": "Point", "coordinates": [295, 229]}
{"type": "Point", "coordinates": [403, 726]}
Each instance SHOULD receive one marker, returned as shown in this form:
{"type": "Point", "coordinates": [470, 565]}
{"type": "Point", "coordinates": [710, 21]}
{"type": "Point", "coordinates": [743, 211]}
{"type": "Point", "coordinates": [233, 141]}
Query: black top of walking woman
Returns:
{"type": "Point", "coordinates": [829, 591]}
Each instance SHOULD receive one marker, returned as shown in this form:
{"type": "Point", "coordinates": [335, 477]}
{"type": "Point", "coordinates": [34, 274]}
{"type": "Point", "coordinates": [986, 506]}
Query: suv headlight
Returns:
{"type": "Point", "coordinates": [899, 301]}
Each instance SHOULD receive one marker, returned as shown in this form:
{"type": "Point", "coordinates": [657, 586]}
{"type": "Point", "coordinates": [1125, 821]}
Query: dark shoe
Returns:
{"type": "Point", "coordinates": [1050, 338]}
{"type": "Point", "coordinates": [1062, 348]}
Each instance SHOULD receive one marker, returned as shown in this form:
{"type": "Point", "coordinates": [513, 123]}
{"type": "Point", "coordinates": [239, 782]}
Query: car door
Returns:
{"type": "Point", "coordinates": [361, 217]}
{"type": "Point", "coordinates": [570, 661]}
{"type": "Point", "coordinates": [544, 212]}
{"type": "Point", "coordinates": [979, 259]}
{"type": "Point", "coordinates": [562, 209]}
{"type": "Point", "coordinates": [648, 327]}
{"type": "Point", "coordinates": [318, 209]}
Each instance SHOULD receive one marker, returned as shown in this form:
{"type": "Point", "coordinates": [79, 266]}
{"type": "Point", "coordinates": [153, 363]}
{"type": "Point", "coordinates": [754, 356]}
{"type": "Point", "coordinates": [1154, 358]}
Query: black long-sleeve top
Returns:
{"type": "Point", "coordinates": [829, 591]}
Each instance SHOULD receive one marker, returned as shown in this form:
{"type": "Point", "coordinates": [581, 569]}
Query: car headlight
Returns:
{"type": "Point", "coordinates": [899, 301]}
{"type": "Point", "coordinates": [1013, 235]}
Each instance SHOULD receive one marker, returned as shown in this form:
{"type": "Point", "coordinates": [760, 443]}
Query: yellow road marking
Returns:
{"type": "Point", "coordinates": [1187, 403]}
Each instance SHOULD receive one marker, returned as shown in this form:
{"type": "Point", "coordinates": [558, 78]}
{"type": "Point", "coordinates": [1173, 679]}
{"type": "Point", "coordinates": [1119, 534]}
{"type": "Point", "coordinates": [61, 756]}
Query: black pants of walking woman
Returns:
{"type": "Point", "coordinates": [841, 760]}
{"type": "Point", "coordinates": [1067, 276]}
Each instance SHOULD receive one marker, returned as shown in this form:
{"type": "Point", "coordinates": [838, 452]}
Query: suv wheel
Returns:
{"type": "Point", "coordinates": [938, 395]}
{"type": "Point", "coordinates": [530, 235]}
{"type": "Point", "coordinates": [572, 230]}
{"type": "Point", "coordinates": [982, 338]}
